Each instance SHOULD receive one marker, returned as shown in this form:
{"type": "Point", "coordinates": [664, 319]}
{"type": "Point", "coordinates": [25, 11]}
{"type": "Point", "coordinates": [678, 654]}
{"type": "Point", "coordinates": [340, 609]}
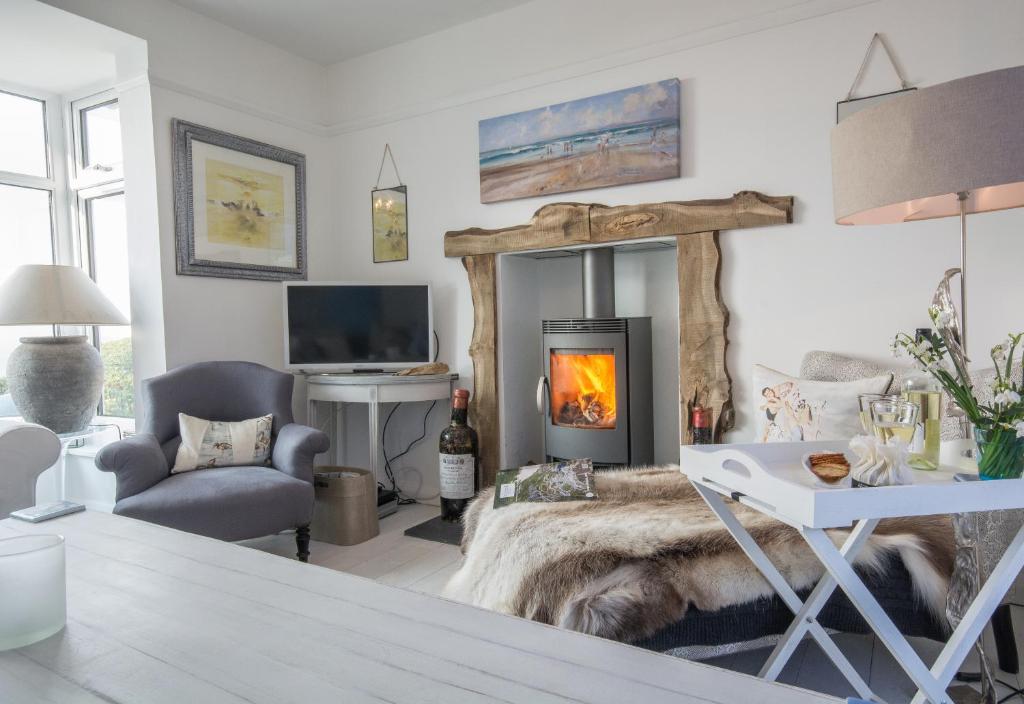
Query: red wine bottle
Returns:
{"type": "Point", "coordinates": [701, 422]}
{"type": "Point", "coordinates": [460, 453]}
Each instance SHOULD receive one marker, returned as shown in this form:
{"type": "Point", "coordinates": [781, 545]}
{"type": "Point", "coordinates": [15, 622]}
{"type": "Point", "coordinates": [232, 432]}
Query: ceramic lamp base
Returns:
{"type": "Point", "coordinates": [56, 381]}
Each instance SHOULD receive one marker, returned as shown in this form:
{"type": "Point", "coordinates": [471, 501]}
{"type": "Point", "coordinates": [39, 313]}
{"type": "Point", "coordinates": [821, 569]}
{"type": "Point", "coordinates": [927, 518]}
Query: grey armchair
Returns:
{"type": "Point", "coordinates": [228, 503]}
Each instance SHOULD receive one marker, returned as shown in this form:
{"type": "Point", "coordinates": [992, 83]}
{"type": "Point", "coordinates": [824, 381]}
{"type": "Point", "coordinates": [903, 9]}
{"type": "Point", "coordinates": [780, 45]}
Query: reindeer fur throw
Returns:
{"type": "Point", "coordinates": [634, 560]}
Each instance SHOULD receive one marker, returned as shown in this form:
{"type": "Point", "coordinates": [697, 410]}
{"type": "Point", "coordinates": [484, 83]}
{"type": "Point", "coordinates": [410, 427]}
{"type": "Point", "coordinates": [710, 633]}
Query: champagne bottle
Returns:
{"type": "Point", "coordinates": [923, 390]}
{"type": "Point", "coordinates": [459, 452]}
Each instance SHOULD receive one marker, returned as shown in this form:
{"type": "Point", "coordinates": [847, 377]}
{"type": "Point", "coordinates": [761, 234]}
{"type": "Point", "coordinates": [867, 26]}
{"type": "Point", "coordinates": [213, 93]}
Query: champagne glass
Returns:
{"type": "Point", "coordinates": [865, 401]}
{"type": "Point", "coordinates": [894, 418]}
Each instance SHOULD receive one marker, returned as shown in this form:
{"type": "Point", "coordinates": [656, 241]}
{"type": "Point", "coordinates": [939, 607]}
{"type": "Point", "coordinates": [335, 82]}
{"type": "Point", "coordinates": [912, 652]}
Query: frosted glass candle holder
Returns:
{"type": "Point", "coordinates": [33, 603]}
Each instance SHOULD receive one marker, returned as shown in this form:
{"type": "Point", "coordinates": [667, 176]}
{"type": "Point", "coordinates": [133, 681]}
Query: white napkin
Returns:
{"type": "Point", "coordinates": [879, 464]}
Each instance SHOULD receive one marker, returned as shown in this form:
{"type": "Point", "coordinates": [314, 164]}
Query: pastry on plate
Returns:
{"type": "Point", "coordinates": [829, 467]}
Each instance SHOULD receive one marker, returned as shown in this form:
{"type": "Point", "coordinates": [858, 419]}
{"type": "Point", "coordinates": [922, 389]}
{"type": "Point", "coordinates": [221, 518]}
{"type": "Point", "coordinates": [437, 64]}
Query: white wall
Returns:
{"type": "Point", "coordinates": [195, 55]}
{"type": "Point", "coordinates": [758, 103]}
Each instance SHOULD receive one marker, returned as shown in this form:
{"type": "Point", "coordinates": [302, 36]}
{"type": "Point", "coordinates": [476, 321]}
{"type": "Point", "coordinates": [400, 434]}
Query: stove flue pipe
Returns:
{"type": "Point", "coordinates": [599, 282]}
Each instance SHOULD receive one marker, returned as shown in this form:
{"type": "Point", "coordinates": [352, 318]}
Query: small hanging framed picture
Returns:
{"type": "Point", "coordinates": [390, 224]}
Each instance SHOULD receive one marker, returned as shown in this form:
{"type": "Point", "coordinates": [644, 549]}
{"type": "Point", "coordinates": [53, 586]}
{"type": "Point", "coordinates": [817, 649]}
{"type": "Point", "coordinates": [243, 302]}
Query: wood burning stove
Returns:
{"type": "Point", "coordinates": [595, 395]}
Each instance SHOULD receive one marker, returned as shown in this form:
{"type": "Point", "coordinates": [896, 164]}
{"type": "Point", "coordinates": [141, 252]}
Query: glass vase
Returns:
{"type": "Point", "coordinates": [1000, 453]}
{"type": "Point", "coordinates": [32, 589]}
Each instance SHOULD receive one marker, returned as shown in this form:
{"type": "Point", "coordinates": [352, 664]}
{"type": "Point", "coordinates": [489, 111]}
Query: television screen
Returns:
{"type": "Point", "coordinates": [357, 325]}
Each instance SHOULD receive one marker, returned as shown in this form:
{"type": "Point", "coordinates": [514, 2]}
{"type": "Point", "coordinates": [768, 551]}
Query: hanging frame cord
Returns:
{"type": "Point", "coordinates": [864, 64]}
{"type": "Point", "coordinates": [387, 154]}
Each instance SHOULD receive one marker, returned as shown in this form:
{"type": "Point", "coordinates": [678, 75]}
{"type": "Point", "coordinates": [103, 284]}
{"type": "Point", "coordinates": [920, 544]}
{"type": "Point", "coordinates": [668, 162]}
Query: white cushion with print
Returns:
{"type": "Point", "coordinates": [213, 443]}
{"type": "Point", "coordinates": [791, 409]}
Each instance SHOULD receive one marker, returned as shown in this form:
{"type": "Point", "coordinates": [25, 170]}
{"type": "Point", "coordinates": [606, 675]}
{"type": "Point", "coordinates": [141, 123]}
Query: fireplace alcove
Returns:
{"type": "Point", "coordinates": [694, 226]}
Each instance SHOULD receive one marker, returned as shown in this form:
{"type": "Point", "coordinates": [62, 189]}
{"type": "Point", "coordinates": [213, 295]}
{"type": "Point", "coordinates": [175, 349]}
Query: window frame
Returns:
{"type": "Point", "coordinates": [87, 185]}
{"type": "Point", "coordinates": [56, 181]}
{"type": "Point", "coordinates": [87, 175]}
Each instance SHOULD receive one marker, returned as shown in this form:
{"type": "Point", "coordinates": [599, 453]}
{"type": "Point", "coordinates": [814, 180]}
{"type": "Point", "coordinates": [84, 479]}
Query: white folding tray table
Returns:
{"type": "Point", "coordinates": [770, 478]}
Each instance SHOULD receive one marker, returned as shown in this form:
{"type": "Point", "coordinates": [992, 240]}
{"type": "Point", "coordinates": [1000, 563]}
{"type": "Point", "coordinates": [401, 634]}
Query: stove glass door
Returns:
{"type": "Point", "coordinates": [583, 388]}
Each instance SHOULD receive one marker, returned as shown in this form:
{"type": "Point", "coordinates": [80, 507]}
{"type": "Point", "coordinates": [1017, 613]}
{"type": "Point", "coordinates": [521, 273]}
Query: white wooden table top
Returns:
{"type": "Point", "coordinates": [772, 479]}
{"type": "Point", "coordinates": [156, 615]}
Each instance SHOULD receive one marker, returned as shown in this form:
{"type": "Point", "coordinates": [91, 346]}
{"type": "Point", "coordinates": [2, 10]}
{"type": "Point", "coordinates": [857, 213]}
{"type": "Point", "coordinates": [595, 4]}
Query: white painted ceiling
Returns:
{"type": "Point", "coordinates": [329, 31]}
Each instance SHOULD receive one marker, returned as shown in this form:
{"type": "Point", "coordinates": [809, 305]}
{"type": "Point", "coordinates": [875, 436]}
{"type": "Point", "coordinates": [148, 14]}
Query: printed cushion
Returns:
{"type": "Point", "coordinates": [214, 443]}
{"type": "Point", "coordinates": [790, 409]}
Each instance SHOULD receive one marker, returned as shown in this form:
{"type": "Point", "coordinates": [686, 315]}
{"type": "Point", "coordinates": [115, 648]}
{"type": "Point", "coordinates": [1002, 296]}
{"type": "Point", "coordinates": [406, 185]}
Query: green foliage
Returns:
{"type": "Point", "coordinates": [3, 385]}
{"type": "Point", "coordinates": [118, 387]}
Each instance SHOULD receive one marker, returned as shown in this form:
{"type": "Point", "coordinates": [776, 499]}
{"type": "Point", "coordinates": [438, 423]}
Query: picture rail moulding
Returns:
{"type": "Point", "coordinates": [703, 316]}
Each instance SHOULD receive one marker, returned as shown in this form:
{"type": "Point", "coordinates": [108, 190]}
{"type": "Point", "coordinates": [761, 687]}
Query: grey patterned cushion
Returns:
{"type": "Point", "coordinates": [832, 366]}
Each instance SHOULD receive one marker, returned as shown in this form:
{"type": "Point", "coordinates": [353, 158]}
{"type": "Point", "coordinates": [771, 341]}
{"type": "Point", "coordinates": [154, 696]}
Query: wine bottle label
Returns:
{"type": "Point", "coordinates": [457, 476]}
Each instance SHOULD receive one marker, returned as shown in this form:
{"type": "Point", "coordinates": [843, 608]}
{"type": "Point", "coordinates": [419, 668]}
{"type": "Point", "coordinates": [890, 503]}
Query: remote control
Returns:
{"type": "Point", "coordinates": [37, 514]}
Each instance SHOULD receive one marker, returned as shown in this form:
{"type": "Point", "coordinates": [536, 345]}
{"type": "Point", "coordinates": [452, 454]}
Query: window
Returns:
{"type": "Point", "coordinates": [27, 202]}
{"type": "Point", "coordinates": [103, 234]}
{"type": "Point", "coordinates": [47, 196]}
{"type": "Point", "coordinates": [106, 244]}
{"type": "Point", "coordinates": [101, 136]}
{"type": "Point", "coordinates": [23, 135]}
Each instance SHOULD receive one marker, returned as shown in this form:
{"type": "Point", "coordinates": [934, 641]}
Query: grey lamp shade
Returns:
{"type": "Point", "coordinates": [909, 157]}
{"type": "Point", "coordinates": [51, 294]}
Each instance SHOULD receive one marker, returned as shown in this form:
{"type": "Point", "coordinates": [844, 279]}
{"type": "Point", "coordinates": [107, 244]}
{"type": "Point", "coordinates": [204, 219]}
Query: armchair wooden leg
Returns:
{"type": "Point", "coordinates": [302, 542]}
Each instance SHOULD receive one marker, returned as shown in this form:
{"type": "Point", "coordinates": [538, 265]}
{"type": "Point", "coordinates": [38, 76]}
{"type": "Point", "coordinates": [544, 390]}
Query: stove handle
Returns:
{"type": "Point", "coordinates": [543, 395]}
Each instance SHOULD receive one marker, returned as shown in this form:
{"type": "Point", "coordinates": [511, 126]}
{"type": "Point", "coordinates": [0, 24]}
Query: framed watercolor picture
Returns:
{"type": "Point", "coordinates": [627, 136]}
{"type": "Point", "coordinates": [390, 224]}
{"type": "Point", "coordinates": [239, 206]}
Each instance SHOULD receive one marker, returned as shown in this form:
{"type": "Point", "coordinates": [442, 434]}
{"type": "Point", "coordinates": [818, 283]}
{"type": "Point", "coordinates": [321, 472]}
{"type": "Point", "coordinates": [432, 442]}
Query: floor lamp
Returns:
{"type": "Point", "coordinates": [946, 151]}
{"type": "Point", "coordinates": [950, 150]}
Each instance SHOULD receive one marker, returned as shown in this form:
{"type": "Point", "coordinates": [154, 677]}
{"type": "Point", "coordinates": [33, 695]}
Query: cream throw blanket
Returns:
{"type": "Point", "coordinates": [633, 561]}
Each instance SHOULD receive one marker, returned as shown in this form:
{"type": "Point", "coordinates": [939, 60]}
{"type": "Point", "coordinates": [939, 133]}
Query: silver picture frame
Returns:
{"type": "Point", "coordinates": [185, 135]}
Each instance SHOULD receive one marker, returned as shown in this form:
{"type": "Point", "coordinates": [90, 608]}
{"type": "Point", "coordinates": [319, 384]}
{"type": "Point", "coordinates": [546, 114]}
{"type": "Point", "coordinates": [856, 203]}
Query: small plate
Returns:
{"type": "Point", "coordinates": [844, 483]}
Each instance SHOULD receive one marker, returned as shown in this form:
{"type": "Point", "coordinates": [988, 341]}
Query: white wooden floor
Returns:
{"type": "Point", "coordinates": [395, 559]}
{"type": "Point", "coordinates": [390, 558]}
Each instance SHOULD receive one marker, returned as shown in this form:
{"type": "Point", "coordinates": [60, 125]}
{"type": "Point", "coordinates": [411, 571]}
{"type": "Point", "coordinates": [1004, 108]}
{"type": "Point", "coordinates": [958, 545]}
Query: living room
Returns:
{"type": "Point", "coordinates": [602, 237]}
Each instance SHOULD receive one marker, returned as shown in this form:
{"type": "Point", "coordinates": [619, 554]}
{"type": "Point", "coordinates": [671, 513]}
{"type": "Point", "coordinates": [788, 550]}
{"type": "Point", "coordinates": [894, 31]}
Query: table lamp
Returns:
{"type": "Point", "coordinates": [55, 381]}
{"type": "Point", "coordinates": [948, 150]}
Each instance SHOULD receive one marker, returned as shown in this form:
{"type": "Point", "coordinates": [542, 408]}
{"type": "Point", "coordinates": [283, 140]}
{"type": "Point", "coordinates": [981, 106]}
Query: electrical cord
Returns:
{"type": "Point", "coordinates": [384, 434]}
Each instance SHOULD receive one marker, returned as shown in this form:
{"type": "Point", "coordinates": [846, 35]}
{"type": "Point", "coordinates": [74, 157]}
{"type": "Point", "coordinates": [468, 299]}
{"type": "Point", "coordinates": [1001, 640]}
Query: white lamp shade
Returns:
{"type": "Point", "coordinates": [51, 294]}
{"type": "Point", "coordinates": [909, 157]}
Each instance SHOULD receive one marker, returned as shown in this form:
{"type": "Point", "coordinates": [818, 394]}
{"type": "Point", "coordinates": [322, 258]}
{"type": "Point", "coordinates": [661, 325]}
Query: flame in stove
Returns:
{"type": "Point", "coordinates": [583, 390]}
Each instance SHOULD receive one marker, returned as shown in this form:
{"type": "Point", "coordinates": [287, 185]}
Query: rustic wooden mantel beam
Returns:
{"type": "Point", "coordinates": [703, 316]}
{"type": "Point", "coordinates": [573, 224]}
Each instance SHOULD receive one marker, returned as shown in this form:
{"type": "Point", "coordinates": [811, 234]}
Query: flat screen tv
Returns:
{"type": "Point", "coordinates": [351, 327]}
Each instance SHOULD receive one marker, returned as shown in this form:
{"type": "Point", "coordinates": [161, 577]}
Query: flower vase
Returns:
{"type": "Point", "coordinates": [1000, 453]}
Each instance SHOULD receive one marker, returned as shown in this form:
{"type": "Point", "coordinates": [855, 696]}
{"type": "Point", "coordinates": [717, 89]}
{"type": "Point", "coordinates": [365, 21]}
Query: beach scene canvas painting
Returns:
{"type": "Point", "coordinates": [627, 136]}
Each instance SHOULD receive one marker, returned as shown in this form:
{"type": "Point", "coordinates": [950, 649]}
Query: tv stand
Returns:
{"type": "Point", "coordinates": [351, 372]}
{"type": "Point", "coordinates": [373, 390]}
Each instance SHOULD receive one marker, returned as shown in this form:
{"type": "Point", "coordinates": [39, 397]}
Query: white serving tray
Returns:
{"type": "Point", "coordinates": [771, 478]}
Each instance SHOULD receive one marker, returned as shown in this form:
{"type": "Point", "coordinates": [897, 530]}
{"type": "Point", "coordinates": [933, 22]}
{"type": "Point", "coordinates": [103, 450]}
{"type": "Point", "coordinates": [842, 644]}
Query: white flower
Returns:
{"type": "Point", "coordinates": [1020, 429]}
{"type": "Point", "coordinates": [1007, 397]}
